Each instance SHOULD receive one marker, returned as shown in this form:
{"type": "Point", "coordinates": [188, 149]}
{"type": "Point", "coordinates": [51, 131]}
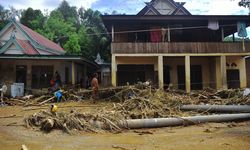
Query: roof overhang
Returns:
{"type": "Point", "coordinates": [73, 58]}
{"type": "Point", "coordinates": [110, 20]}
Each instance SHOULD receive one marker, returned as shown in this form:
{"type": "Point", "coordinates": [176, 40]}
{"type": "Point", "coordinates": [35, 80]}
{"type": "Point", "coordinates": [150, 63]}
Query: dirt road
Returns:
{"type": "Point", "coordinates": [206, 136]}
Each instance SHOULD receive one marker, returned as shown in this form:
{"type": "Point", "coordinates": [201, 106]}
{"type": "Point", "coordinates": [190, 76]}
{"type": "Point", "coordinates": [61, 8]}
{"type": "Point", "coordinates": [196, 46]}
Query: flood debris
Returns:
{"type": "Point", "coordinates": [129, 102]}
{"type": "Point", "coordinates": [73, 120]}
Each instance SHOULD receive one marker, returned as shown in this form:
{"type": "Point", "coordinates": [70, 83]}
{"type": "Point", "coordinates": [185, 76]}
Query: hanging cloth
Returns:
{"type": "Point", "coordinates": [155, 36]}
{"type": "Point", "coordinates": [213, 25]}
{"type": "Point", "coordinates": [241, 28]}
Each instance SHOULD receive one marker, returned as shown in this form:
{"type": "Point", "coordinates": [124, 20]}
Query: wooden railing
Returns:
{"type": "Point", "coordinates": [180, 47]}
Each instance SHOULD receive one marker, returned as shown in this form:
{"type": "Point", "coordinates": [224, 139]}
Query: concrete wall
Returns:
{"type": "Point", "coordinates": [206, 63]}
{"type": "Point", "coordinates": [248, 72]}
{"type": "Point", "coordinates": [8, 70]}
{"type": "Point", "coordinates": [138, 61]}
{"type": "Point", "coordinates": [173, 62]}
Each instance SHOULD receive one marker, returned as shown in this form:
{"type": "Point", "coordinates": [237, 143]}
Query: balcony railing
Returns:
{"type": "Point", "coordinates": [180, 47]}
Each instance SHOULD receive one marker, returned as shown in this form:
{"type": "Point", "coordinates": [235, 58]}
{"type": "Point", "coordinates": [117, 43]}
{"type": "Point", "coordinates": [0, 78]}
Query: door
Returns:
{"type": "Point", "coordinates": [166, 76]}
{"type": "Point", "coordinates": [66, 75]}
{"type": "Point", "coordinates": [196, 77]}
{"type": "Point", "coordinates": [181, 77]}
{"type": "Point", "coordinates": [233, 78]}
{"type": "Point", "coordinates": [21, 74]}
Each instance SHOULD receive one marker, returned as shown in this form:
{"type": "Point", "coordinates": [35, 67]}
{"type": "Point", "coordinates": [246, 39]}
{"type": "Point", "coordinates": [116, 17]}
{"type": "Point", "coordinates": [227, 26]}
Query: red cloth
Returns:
{"type": "Point", "coordinates": [155, 36]}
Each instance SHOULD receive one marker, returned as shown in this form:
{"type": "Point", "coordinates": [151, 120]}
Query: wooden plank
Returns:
{"type": "Point", "coordinates": [179, 47]}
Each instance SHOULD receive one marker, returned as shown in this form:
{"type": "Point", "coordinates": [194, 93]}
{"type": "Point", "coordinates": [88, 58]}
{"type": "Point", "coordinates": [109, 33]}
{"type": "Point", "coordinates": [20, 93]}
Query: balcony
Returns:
{"type": "Point", "coordinates": [180, 47]}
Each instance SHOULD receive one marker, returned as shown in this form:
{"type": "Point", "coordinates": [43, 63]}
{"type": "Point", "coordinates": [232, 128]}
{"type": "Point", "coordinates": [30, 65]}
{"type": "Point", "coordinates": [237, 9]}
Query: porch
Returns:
{"type": "Point", "coordinates": [37, 71]}
{"type": "Point", "coordinates": [181, 72]}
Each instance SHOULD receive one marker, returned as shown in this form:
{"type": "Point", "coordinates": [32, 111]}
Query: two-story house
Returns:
{"type": "Point", "coordinates": [164, 43]}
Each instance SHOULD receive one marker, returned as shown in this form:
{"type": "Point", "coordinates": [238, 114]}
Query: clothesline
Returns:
{"type": "Point", "coordinates": [171, 29]}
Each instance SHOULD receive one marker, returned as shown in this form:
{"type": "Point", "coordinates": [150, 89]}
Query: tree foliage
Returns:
{"type": "Point", "coordinates": [34, 19]}
{"type": "Point", "coordinates": [78, 31]}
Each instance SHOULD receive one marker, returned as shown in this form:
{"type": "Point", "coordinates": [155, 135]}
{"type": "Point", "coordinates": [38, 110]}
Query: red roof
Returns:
{"type": "Point", "coordinates": [29, 49]}
{"type": "Point", "coordinates": [41, 39]}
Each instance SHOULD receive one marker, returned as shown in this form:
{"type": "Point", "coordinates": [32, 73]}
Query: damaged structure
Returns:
{"type": "Point", "coordinates": [29, 58]}
{"type": "Point", "coordinates": [164, 43]}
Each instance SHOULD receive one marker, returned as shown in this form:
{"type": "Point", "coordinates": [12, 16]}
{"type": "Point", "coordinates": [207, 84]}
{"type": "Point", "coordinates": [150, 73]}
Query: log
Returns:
{"type": "Point", "coordinates": [47, 100]}
{"type": "Point", "coordinates": [165, 122]}
{"type": "Point", "coordinates": [217, 108]}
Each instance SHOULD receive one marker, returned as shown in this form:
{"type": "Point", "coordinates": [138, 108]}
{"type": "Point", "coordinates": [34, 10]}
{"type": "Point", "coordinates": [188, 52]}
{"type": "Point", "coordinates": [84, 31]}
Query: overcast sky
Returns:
{"type": "Point", "coordinates": [202, 7]}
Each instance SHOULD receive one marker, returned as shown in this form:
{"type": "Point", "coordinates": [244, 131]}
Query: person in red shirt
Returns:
{"type": "Point", "coordinates": [95, 86]}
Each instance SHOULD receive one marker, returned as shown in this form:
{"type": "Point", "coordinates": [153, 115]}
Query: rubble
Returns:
{"type": "Point", "coordinates": [129, 102]}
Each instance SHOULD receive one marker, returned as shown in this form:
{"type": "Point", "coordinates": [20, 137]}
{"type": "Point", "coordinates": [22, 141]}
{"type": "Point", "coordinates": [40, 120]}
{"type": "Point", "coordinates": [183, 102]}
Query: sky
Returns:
{"type": "Point", "coordinates": [196, 7]}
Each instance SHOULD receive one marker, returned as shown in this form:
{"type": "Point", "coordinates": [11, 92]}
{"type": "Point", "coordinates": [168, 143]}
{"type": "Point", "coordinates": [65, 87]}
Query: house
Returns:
{"type": "Point", "coordinates": [164, 43]}
{"type": "Point", "coordinates": [104, 72]}
{"type": "Point", "coordinates": [28, 57]}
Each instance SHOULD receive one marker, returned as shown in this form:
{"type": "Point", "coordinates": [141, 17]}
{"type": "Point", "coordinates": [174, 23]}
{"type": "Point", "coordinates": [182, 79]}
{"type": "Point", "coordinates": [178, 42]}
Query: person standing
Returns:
{"type": "Point", "coordinates": [95, 86]}
{"type": "Point", "coordinates": [58, 79]}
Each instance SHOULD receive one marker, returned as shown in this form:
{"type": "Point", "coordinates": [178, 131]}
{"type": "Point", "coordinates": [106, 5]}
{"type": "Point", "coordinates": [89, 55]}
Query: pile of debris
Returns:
{"type": "Point", "coordinates": [73, 120]}
{"type": "Point", "coordinates": [133, 102]}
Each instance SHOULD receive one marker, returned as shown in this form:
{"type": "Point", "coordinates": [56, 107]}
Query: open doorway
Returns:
{"type": "Point", "coordinates": [196, 77]}
{"type": "Point", "coordinates": [233, 78]}
{"type": "Point", "coordinates": [166, 76]}
{"type": "Point", "coordinates": [21, 74]}
{"type": "Point", "coordinates": [181, 77]}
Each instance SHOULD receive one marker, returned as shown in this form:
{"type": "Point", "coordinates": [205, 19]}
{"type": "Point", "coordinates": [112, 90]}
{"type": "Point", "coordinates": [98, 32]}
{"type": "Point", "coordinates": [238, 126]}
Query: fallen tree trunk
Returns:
{"type": "Point", "coordinates": [165, 122]}
{"type": "Point", "coordinates": [217, 108]}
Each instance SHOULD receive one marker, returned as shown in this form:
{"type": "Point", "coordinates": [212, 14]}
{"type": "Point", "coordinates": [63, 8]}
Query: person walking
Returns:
{"type": "Point", "coordinates": [95, 87]}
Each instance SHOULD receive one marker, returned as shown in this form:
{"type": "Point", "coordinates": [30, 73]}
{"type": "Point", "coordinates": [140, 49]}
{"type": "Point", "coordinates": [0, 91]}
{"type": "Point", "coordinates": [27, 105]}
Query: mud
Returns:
{"type": "Point", "coordinates": [13, 134]}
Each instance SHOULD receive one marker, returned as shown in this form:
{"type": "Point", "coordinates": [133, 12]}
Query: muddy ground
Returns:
{"type": "Point", "coordinates": [13, 134]}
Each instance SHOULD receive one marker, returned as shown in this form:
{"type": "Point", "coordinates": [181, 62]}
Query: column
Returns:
{"type": "Point", "coordinates": [222, 34]}
{"type": "Point", "coordinates": [187, 74]}
{"type": "Point", "coordinates": [223, 61]}
{"type": "Point", "coordinates": [29, 76]}
{"type": "Point", "coordinates": [84, 75]}
{"type": "Point", "coordinates": [113, 33]}
{"type": "Point", "coordinates": [169, 36]}
{"type": "Point", "coordinates": [73, 73]}
{"type": "Point", "coordinates": [113, 70]}
{"type": "Point", "coordinates": [221, 73]}
{"type": "Point", "coordinates": [243, 73]}
{"type": "Point", "coordinates": [160, 72]}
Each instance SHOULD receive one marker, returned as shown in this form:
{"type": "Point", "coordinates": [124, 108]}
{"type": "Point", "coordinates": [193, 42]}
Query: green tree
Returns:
{"type": "Point", "coordinates": [4, 16]}
{"type": "Point", "coordinates": [85, 43]}
{"type": "Point", "coordinates": [72, 46]}
{"type": "Point", "coordinates": [68, 12]}
{"type": "Point", "coordinates": [96, 32]}
{"type": "Point", "coordinates": [57, 29]}
{"type": "Point", "coordinates": [34, 19]}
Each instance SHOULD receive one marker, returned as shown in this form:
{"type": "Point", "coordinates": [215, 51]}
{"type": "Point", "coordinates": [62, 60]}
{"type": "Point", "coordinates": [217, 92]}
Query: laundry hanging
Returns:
{"type": "Point", "coordinates": [213, 25]}
{"type": "Point", "coordinates": [156, 36]}
{"type": "Point", "coordinates": [241, 28]}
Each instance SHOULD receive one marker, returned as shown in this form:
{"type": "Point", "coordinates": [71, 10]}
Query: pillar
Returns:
{"type": "Point", "coordinates": [221, 73]}
{"type": "Point", "coordinates": [113, 70]}
{"type": "Point", "coordinates": [160, 72]}
{"type": "Point", "coordinates": [187, 74]}
{"type": "Point", "coordinates": [222, 34]}
{"type": "Point", "coordinates": [243, 73]}
{"type": "Point", "coordinates": [169, 36]}
{"type": "Point", "coordinates": [113, 33]}
{"type": "Point", "coordinates": [73, 73]}
{"type": "Point", "coordinates": [28, 76]}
